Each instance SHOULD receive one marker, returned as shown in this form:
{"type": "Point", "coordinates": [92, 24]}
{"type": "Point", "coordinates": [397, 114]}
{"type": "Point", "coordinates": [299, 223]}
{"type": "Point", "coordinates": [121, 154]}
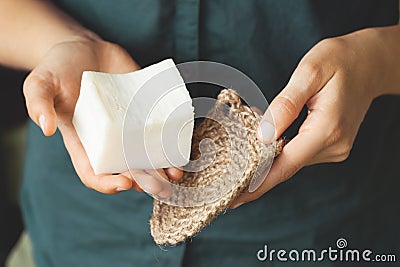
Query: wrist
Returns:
{"type": "Point", "coordinates": [382, 64]}
{"type": "Point", "coordinates": [79, 34]}
{"type": "Point", "coordinates": [386, 63]}
{"type": "Point", "coordinates": [373, 60]}
{"type": "Point", "coordinates": [41, 49]}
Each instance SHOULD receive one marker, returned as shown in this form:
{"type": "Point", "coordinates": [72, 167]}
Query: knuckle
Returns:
{"type": "Point", "coordinates": [36, 80]}
{"type": "Point", "coordinates": [333, 43]}
{"type": "Point", "coordinates": [343, 152]}
{"type": "Point", "coordinates": [30, 82]}
{"type": "Point", "coordinates": [326, 42]}
{"type": "Point", "coordinates": [287, 104]}
{"type": "Point", "coordinates": [312, 73]}
{"type": "Point", "coordinates": [339, 145]}
{"type": "Point", "coordinates": [115, 49]}
{"type": "Point", "coordinates": [86, 183]}
{"type": "Point", "coordinates": [311, 69]}
{"type": "Point", "coordinates": [339, 47]}
{"type": "Point", "coordinates": [335, 135]}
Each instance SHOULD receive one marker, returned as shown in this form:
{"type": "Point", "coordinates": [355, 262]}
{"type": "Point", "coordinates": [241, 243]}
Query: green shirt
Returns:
{"type": "Point", "coordinates": [71, 225]}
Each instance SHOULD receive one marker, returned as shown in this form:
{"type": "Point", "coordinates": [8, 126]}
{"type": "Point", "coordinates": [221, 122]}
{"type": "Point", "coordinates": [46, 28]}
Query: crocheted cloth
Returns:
{"type": "Point", "coordinates": [231, 161]}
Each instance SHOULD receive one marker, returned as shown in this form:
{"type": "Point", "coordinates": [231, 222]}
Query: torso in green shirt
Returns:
{"type": "Point", "coordinates": [71, 225]}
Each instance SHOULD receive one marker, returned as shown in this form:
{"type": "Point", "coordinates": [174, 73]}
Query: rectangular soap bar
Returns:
{"type": "Point", "coordinates": [139, 120]}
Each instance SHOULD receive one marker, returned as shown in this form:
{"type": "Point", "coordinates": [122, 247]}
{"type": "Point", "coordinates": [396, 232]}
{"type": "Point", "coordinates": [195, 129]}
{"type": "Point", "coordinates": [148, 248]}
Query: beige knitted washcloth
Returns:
{"type": "Point", "coordinates": [235, 154]}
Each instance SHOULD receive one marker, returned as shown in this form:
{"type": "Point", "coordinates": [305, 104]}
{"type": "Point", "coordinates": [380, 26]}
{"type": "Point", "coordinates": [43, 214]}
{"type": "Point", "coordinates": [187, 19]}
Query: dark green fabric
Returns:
{"type": "Point", "coordinates": [74, 226]}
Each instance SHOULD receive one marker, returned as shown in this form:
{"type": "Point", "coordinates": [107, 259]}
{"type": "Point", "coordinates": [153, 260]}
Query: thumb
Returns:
{"type": "Point", "coordinates": [39, 96]}
{"type": "Point", "coordinates": [305, 82]}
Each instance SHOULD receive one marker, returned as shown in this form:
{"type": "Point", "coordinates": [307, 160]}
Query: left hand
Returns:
{"type": "Point", "coordinates": [337, 80]}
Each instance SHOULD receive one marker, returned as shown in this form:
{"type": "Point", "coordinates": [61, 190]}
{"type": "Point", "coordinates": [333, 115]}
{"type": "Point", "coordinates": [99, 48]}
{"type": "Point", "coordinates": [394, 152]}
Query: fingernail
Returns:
{"type": "Point", "coordinates": [42, 122]}
{"type": "Point", "coordinates": [119, 189]}
{"type": "Point", "coordinates": [164, 194]}
{"type": "Point", "coordinates": [266, 131]}
{"type": "Point", "coordinates": [237, 205]}
{"type": "Point", "coordinates": [149, 189]}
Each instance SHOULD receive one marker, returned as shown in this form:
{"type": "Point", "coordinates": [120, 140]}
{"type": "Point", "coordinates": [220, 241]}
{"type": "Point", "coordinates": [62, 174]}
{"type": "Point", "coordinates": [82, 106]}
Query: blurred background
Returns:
{"type": "Point", "coordinates": [13, 118]}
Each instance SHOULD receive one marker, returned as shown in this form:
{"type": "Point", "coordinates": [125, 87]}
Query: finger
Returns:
{"type": "Point", "coordinates": [154, 182]}
{"type": "Point", "coordinates": [107, 183]}
{"type": "Point", "coordinates": [148, 181]}
{"type": "Point", "coordinates": [161, 176]}
{"type": "Point", "coordinates": [135, 186]}
{"type": "Point", "coordinates": [256, 110]}
{"type": "Point", "coordinates": [306, 81]}
{"type": "Point", "coordinates": [174, 173]}
{"type": "Point", "coordinates": [39, 95]}
{"type": "Point", "coordinates": [299, 152]}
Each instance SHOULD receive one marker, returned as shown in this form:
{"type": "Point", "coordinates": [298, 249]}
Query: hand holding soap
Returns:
{"type": "Point", "coordinates": [139, 120]}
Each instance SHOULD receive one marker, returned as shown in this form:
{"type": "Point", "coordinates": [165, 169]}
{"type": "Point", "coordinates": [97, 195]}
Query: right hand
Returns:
{"type": "Point", "coordinates": [51, 91]}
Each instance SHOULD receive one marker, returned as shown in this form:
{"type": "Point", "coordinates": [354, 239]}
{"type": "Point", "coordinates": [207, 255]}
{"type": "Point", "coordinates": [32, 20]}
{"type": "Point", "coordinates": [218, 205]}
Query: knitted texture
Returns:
{"type": "Point", "coordinates": [230, 161]}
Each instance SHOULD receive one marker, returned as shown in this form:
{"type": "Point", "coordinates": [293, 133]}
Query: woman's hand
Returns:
{"type": "Point", "coordinates": [51, 91]}
{"type": "Point", "coordinates": [337, 80]}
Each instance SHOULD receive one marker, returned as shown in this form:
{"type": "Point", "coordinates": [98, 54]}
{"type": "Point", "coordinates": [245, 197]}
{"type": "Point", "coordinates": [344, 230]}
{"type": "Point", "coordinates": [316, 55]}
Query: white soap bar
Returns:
{"type": "Point", "coordinates": [147, 114]}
